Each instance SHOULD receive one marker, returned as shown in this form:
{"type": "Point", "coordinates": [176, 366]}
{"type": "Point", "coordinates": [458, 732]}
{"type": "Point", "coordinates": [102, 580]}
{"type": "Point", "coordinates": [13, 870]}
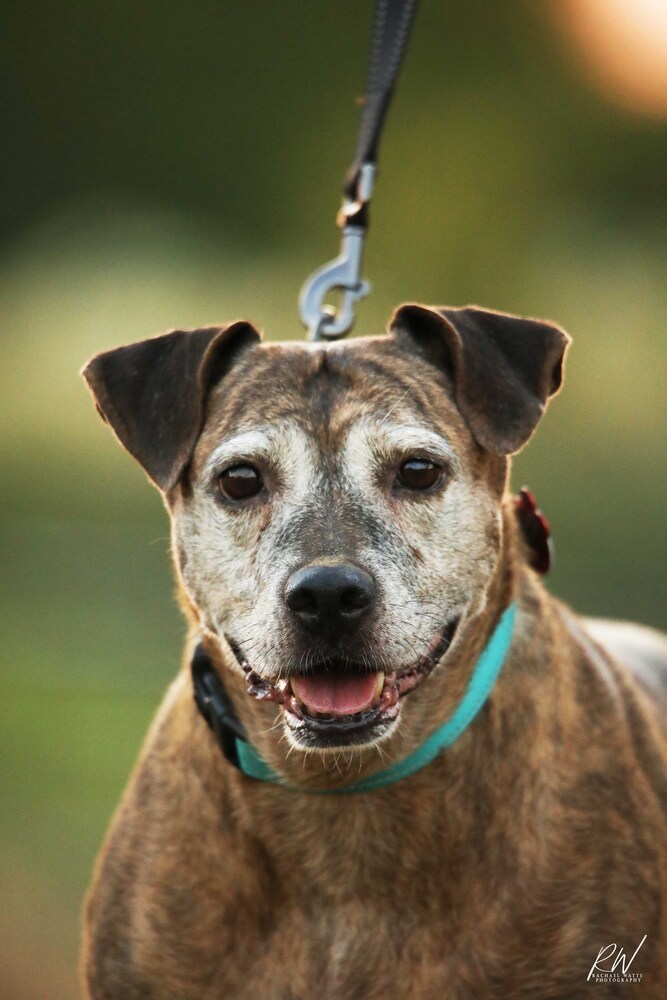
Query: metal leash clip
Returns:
{"type": "Point", "coordinates": [327, 322]}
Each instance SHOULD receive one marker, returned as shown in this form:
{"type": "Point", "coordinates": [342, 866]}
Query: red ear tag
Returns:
{"type": "Point", "coordinates": [536, 532]}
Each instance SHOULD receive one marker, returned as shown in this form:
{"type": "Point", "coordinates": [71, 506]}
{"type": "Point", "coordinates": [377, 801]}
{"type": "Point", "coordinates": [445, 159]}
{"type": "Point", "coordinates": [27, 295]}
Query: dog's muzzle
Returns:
{"type": "Point", "coordinates": [337, 702]}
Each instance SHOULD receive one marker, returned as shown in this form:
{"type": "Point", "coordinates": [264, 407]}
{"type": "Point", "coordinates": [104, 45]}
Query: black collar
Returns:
{"type": "Point", "coordinates": [215, 705]}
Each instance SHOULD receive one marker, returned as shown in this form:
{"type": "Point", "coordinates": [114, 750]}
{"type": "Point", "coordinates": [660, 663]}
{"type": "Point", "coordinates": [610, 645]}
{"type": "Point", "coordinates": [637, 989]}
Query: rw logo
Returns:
{"type": "Point", "coordinates": [613, 966]}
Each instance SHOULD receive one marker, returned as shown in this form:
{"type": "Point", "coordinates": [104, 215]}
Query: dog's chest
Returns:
{"type": "Point", "coordinates": [362, 949]}
{"type": "Point", "coordinates": [252, 928]}
{"type": "Point", "coordinates": [356, 950]}
{"type": "Point", "coordinates": [359, 950]}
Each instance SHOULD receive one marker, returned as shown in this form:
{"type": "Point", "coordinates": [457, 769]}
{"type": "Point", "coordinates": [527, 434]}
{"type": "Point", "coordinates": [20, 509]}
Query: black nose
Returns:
{"type": "Point", "coordinates": [329, 600]}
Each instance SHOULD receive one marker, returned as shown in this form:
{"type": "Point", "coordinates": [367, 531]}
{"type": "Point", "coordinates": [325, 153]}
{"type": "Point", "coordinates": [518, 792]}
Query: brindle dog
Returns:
{"type": "Point", "coordinates": [343, 536]}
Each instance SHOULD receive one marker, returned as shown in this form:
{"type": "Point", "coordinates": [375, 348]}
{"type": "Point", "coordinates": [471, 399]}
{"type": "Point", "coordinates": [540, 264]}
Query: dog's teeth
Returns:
{"type": "Point", "coordinates": [380, 683]}
{"type": "Point", "coordinates": [295, 690]}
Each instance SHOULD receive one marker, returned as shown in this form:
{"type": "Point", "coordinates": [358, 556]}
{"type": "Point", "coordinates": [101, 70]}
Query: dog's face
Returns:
{"type": "Point", "coordinates": [335, 508]}
{"type": "Point", "coordinates": [339, 520]}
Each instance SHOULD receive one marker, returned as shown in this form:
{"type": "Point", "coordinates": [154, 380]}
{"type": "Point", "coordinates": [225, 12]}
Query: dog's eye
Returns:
{"type": "Point", "coordinates": [240, 482]}
{"type": "Point", "coordinates": [418, 474]}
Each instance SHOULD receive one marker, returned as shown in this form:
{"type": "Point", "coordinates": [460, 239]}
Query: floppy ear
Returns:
{"type": "Point", "coordinates": [503, 367]}
{"type": "Point", "coordinates": [152, 393]}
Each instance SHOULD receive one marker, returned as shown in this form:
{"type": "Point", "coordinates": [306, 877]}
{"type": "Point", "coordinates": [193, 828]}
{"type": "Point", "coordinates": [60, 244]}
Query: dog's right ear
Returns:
{"type": "Point", "coordinates": [153, 393]}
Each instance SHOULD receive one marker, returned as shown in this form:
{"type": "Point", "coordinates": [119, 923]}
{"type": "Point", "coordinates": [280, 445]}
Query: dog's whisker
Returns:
{"type": "Point", "coordinates": [382, 753]}
{"type": "Point", "coordinates": [277, 725]}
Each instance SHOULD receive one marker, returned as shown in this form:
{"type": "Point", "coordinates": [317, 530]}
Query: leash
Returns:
{"type": "Point", "coordinates": [215, 706]}
{"type": "Point", "coordinates": [391, 29]}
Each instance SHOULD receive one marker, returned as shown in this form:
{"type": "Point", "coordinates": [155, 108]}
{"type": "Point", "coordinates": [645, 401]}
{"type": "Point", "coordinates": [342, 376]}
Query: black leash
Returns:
{"type": "Point", "coordinates": [391, 30]}
{"type": "Point", "coordinates": [393, 20]}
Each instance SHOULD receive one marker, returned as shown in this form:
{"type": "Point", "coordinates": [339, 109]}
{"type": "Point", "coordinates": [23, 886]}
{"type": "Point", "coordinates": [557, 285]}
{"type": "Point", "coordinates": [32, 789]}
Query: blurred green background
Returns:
{"type": "Point", "coordinates": [180, 164]}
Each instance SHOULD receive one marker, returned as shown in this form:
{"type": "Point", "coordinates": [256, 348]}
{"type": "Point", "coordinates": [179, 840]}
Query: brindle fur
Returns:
{"type": "Point", "coordinates": [499, 870]}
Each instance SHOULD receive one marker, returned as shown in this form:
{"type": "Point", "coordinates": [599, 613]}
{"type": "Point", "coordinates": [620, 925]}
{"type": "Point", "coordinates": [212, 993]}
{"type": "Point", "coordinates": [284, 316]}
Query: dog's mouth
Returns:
{"type": "Point", "coordinates": [338, 704]}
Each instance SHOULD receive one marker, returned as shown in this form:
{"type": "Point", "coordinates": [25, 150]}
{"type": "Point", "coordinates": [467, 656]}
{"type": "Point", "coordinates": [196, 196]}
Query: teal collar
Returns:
{"type": "Point", "coordinates": [216, 708]}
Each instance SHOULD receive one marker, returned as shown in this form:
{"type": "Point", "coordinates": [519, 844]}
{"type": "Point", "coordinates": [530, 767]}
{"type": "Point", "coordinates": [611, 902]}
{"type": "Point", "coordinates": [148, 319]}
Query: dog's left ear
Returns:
{"type": "Point", "coordinates": [503, 367]}
{"type": "Point", "coordinates": [153, 393]}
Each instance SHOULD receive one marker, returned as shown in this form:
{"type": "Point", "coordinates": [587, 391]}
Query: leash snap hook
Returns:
{"type": "Point", "coordinates": [344, 273]}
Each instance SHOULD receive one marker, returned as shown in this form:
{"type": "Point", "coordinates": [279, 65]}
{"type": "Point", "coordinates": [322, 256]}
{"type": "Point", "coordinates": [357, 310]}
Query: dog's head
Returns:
{"type": "Point", "coordinates": [335, 508]}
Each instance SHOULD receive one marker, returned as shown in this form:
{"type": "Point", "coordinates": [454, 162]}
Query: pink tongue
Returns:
{"type": "Point", "coordinates": [332, 695]}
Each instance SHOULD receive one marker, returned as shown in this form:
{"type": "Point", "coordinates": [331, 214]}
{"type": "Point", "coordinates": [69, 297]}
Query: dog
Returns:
{"type": "Point", "coordinates": [358, 590]}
